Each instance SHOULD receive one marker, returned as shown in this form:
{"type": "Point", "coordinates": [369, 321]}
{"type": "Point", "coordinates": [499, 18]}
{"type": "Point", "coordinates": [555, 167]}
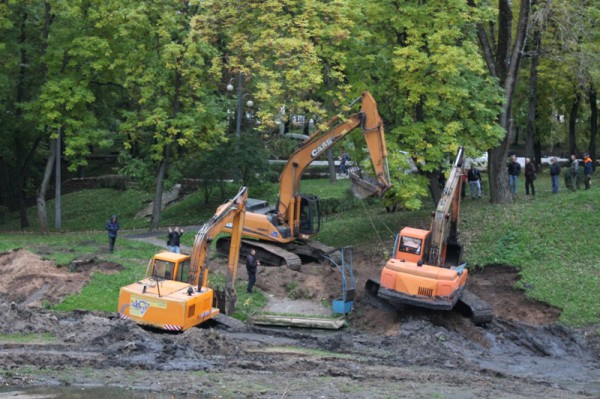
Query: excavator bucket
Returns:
{"type": "Point", "coordinates": [364, 186]}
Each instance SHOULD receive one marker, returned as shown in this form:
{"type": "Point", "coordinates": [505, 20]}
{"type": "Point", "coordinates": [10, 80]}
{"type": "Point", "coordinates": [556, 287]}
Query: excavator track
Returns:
{"type": "Point", "coordinates": [470, 305]}
{"type": "Point", "coordinates": [267, 254]}
{"type": "Point", "coordinates": [474, 307]}
{"type": "Point", "coordinates": [316, 251]}
{"type": "Point", "coordinates": [292, 255]}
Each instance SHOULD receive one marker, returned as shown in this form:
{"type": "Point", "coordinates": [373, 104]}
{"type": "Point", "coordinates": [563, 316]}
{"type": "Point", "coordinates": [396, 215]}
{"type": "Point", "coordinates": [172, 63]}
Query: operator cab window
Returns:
{"type": "Point", "coordinates": [163, 269]}
{"type": "Point", "coordinates": [411, 245]}
{"type": "Point", "coordinates": [184, 271]}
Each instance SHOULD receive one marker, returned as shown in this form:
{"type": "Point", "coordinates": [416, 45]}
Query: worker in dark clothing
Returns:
{"type": "Point", "coordinates": [112, 226]}
{"type": "Point", "coordinates": [530, 177]}
{"type": "Point", "coordinates": [251, 267]}
{"type": "Point", "coordinates": [514, 170]}
{"type": "Point", "coordinates": [173, 239]}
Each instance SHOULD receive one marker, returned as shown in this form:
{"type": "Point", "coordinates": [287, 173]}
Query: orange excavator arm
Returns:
{"type": "Point", "coordinates": [232, 212]}
{"type": "Point", "coordinates": [444, 225]}
{"type": "Point", "coordinates": [372, 125]}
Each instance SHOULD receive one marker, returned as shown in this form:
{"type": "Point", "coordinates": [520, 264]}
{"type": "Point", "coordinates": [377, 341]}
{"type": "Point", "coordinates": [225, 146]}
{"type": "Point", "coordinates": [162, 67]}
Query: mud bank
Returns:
{"type": "Point", "coordinates": [421, 360]}
{"type": "Point", "coordinates": [382, 353]}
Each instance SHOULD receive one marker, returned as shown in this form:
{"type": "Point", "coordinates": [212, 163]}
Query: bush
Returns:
{"type": "Point", "coordinates": [3, 213]}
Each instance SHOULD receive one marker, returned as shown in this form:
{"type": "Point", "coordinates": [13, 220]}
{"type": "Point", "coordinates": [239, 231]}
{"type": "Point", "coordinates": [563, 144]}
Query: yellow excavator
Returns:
{"type": "Point", "coordinates": [426, 269]}
{"type": "Point", "coordinates": [281, 234]}
{"type": "Point", "coordinates": [174, 295]}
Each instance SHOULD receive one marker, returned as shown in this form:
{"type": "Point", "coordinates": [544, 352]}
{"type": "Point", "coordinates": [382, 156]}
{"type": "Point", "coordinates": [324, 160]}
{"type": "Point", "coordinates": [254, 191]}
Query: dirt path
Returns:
{"type": "Point", "coordinates": [523, 353]}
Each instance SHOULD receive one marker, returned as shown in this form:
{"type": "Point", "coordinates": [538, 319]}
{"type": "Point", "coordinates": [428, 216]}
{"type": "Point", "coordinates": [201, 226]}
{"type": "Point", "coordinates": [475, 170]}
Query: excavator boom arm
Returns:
{"type": "Point", "coordinates": [368, 118]}
{"type": "Point", "coordinates": [233, 212]}
{"type": "Point", "coordinates": [445, 218]}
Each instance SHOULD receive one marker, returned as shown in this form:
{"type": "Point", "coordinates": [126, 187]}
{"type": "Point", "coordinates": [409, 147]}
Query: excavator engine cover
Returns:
{"type": "Point", "coordinates": [424, 286]}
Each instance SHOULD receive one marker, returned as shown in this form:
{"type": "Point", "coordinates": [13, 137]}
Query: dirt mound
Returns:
{"type": "Point", "coordinates": [30, 280]}
{"type": "Point", "coordinates": [496, 284]}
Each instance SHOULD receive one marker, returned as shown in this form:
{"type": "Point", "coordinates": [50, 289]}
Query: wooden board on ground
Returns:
{"type": "Point", "coordinates": [299, 321]}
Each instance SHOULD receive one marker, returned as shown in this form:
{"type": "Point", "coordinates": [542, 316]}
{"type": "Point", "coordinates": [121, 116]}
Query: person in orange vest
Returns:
{"type": "Point", "coordinates": [587, 170]}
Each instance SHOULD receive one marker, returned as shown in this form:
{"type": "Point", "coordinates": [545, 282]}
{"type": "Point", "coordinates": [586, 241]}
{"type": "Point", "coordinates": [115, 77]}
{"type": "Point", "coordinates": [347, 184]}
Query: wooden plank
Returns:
{"type": "Point", "coordinates": [299, 321]}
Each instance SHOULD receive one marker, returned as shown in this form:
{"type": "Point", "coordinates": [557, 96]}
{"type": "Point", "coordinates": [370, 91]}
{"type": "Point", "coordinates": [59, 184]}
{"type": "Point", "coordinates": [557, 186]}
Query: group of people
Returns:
{"type": "Point", "coordinates": [514, 170]}
{"type": "Point", "coordinates": [579, 172]}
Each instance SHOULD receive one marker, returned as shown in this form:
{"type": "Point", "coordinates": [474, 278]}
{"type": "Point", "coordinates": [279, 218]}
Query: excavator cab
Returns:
{"type": "Point", "coordinates": [412, 245]}
{"type": "Point", "coordinates": [310, 215]}
{"type": "Point", "coordinates": [169, 266]}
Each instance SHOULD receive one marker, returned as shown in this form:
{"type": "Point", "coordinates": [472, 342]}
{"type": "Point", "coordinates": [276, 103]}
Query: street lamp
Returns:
{"type": "Point", "coordinates": [240, 98]}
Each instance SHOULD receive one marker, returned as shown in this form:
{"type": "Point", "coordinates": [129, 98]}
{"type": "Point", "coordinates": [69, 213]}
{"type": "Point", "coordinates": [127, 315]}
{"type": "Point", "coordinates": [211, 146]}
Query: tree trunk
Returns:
{"type": "Point", "coordinates": [43, 188]}
{"type": "Point", "coordinates": [20, 158]}
{"type": "Point", "coordinates": [434, 188]}
{"type": "Point", "coordinates": [532, 111]}
{"type": "Point", "coordinates": [498, 174]}
{"type": "Point", "coordinates": [41, 194]}
{"type": "Point", "coordinates": [331, 164]}
{"type": "Point", "coordinates": [160, 180]}
{"type": "Point", "coordinates": [505, 67]}
{"type": "Point", "coordinates": [572, 124]}
{"type": "Point", "coordinates": [162, 170]}
{"type": "Point", "coordinates": [593, 123]}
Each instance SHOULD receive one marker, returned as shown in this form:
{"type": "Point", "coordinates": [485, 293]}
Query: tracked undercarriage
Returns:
{"type": "Point", "coordinates": [291, 255]}
{"type": "Point", "coordinates": [466, 302]}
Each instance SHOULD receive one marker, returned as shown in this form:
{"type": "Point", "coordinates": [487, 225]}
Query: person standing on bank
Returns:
{"type": "Point", "coordinates": [112, 226]}
{"type": "Point", "coordinates": [344, 163]}
{"type": "Point", "coordinates": [530, 176]}
{"type": "Point", "coordinates": [574, 172]}
{"type": "Point", "coordinates": [173, 239]}
{"type": "Point", "coordinates": [554, 173]}
{"type": "Point", "coordinates": [514, 170]}
{"type": "Point", "coordinates": [251, 267]}
{"type": "Point", "coordinates": [587, 171]}
{"type": "Point", "coordinates": [474, 178]}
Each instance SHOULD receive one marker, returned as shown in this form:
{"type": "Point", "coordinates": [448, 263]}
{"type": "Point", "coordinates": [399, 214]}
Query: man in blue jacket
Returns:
{"type": "Point", "coordinates": [514, 170]}
{"type": "Point", "coordinates": [112, 226]}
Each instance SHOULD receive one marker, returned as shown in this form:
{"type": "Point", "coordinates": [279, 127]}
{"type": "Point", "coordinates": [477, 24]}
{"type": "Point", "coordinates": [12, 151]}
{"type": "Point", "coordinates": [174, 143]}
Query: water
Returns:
{"type": "Point", "coordinates": [89, 393]}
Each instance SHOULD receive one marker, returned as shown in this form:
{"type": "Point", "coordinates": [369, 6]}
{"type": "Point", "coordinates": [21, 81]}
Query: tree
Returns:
{"type": "Point", "coordinates": [422, 62]}
{"type": "Point", "coordinates": [503, 55]}
{"type": "Point", "coordinates": [169, 84]}
{"type": "Point", "coordinates": [286, 51]}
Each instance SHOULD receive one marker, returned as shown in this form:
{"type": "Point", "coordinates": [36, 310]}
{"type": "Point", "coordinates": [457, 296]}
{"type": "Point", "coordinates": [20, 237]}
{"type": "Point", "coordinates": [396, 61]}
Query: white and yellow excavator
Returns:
{"type": "Point", "coordinates": [174, 294]}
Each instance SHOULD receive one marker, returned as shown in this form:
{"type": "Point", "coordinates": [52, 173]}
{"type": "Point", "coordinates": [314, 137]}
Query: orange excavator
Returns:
{"type": "Point", "coordinates": [281, 234]}
{"type": "Point", "coordinates": [426, 269]}
{"type": "Point", "coordinates": [174, 294]}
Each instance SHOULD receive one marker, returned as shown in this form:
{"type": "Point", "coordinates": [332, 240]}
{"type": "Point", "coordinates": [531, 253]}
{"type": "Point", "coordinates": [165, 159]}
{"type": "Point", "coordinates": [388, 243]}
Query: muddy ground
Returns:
{"type": "Point", "coordinates": [523, 353]}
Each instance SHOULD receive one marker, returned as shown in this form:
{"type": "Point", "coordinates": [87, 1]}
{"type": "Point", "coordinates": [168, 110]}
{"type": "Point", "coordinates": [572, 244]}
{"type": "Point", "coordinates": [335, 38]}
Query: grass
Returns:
{"type": "Point", "coordinates": [45, 338]}
{"type": "Point", "coordinates": [549, 239]}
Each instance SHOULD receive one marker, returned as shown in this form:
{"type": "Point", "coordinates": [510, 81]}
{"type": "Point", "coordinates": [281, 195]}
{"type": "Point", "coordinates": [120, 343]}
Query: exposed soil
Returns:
{"type": "Point", "coordinates": [414, 353]}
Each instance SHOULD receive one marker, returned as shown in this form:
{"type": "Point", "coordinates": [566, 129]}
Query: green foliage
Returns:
{"type": "Point", "coordinates": [432, 85]}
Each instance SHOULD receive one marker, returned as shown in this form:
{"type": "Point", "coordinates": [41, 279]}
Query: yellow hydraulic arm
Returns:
{"type": "Point", "coordinates": [232, 212]}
